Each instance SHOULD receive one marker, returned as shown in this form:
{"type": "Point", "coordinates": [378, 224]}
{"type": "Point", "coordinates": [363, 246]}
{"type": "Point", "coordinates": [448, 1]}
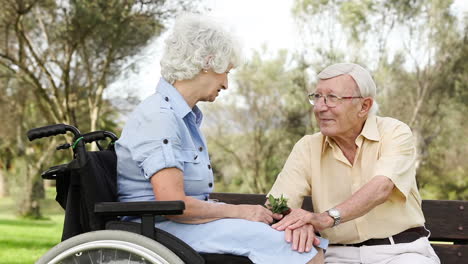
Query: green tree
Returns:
{"type": "Point", "coordinates": [60, 57]}
{"type": "Point", "coordinates": [419, 82]}
{"type": "Point", "coordinates": [267, 113]}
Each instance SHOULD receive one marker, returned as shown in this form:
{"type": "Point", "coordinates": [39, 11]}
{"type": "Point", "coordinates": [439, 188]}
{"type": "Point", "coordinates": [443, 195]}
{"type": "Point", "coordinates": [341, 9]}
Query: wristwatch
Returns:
{"type": "Point", "coordinates": [335, 214]}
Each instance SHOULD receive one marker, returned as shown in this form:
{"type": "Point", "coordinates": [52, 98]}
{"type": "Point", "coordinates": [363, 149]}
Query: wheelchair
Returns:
{"type": "Point", "coordinates": [92, 232]}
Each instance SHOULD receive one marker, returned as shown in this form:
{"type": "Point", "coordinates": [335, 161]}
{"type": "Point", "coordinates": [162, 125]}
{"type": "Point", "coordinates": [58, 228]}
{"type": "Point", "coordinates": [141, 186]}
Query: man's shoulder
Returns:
{"type": "Point", "coordinates": [311, 141]}
{"type": "Point", "coordinates": [390, 122]}
{"type": "Point", "coordinates": [387, 124]}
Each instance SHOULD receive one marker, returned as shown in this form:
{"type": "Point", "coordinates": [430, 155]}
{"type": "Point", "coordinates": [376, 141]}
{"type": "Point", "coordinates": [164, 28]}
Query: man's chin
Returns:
{"type": "Point", "coordinates": [327, 131]}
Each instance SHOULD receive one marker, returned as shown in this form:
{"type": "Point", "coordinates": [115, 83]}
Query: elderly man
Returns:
{"type": "Point", "coordinates": [360, 172]}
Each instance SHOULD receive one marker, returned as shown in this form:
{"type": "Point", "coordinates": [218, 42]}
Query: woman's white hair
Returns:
{"type": "Point", "coordinates": [198, 43]}
{"type": "Point", "coordinates": [361, 76]}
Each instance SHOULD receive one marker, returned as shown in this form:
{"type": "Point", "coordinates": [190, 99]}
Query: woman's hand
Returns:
{"type": "Point", "coordinates": [299, 217]}
{"type": "Point", "coordinates": [256, 213]}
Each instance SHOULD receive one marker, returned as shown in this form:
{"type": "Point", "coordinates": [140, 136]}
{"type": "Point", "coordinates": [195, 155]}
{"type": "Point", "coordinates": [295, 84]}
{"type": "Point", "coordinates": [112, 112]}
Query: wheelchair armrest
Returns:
{"type": "Point", "coordinates": [139, 208]}
{"type": "Point", "coordinates": [146, 210]}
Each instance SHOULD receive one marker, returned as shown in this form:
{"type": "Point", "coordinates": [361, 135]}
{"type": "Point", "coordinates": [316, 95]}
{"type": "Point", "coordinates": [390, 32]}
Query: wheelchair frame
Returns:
{"type": "Point", "coordinates": [87, 210]}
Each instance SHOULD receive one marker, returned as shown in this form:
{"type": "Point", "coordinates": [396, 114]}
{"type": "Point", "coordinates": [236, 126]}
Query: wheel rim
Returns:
{"type": "Point", "coordinates": [95, 252]}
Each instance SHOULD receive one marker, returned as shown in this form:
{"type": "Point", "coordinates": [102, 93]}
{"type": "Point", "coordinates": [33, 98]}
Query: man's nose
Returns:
{"type": "Point", "coordinates": [321, 105]}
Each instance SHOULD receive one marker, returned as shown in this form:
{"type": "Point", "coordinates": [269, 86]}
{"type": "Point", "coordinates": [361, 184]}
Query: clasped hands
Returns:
{"type": "Point", "coordinates": [299, 228]}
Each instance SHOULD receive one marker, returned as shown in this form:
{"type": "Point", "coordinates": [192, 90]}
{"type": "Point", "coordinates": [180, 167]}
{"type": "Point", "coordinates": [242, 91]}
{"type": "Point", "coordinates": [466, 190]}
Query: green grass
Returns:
{"type": "Point", "coordinates": [25, 240]}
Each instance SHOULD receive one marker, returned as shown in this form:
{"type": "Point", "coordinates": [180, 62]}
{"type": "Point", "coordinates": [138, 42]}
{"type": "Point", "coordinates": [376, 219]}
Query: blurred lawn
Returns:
{"type": "Point", "coordinates": [25, 240]}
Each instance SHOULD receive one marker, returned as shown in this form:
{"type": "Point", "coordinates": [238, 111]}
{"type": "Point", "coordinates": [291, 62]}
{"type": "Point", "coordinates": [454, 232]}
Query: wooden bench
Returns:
{"type": "Point", "coordinates": [447, 221]}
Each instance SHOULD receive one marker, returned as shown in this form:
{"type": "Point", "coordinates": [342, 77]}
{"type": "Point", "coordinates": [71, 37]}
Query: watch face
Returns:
{"type": "Point", "coordinates": [334, 213]}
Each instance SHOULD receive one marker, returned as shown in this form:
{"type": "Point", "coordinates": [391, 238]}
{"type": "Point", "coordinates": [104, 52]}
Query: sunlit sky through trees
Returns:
{"type": "Point", "coordinates": [258, 23]}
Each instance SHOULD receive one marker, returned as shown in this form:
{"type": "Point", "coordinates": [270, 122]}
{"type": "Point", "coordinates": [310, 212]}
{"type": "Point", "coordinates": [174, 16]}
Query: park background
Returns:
{"type": "Point", "coordinates": [88, 63]}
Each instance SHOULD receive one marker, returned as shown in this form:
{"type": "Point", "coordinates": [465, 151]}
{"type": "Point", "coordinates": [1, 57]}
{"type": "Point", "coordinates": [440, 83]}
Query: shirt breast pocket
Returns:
{"type": "Point", "coordinates": [192, 165]}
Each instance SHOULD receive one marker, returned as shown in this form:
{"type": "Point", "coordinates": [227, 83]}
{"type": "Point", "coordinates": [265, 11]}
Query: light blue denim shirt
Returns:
{"type": "Point", "coordinates": [162, 132]}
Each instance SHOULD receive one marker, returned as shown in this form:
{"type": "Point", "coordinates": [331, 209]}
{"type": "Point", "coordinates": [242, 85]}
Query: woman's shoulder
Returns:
{"type": "Point", "coordinates": [154, 110]}
{"type": "Point", "coordinates": [154, 106]}
{"type": "Point", "coordinates": [154, 103]}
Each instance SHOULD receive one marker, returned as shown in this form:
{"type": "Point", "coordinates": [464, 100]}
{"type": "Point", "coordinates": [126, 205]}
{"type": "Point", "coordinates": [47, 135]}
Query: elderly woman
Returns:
{"type": "Point", "coordinates": [162, 154]}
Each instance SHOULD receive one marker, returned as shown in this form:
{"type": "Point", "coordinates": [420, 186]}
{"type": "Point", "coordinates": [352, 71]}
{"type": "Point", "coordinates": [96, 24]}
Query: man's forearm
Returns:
{"type": "Point", "coordinates": [373, 193]}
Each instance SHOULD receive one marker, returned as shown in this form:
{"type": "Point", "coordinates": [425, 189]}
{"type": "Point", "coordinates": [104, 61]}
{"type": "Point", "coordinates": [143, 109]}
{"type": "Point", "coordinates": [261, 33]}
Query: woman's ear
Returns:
{"type": "Point", "coordinates": [208, 62]}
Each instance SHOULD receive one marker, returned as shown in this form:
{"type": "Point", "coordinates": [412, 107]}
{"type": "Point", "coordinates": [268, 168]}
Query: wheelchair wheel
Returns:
{"type": "Point", "coordinates": [109, 246]}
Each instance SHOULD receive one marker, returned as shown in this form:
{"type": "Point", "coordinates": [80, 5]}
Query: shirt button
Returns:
{"type": "Point", "coordinates": [165, 141]}
{"type": "Point", "coordinates": [209, 166]}
{"type": "Point", "coordinates": [210, 184]}
{"type": "Point", "coordinates": [166, 98]}
{"type": "Point", "coordinates": [200, 149]}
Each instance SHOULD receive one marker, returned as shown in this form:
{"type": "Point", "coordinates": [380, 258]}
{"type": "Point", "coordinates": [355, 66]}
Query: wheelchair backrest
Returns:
{"type": "Point", "coordinates": [94, 181]}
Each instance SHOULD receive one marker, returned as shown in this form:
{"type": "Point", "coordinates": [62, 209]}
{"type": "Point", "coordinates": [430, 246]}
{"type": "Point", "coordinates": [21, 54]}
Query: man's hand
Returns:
{"type": "Point", "coordinates": [299, 217]}
{"type": "Point", "coordinates": [302, 239]}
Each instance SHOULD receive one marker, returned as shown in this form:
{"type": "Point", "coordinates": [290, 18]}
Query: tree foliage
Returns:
{"type": "Point", "coordinates": [422, 82]}
{"type": "Point", "coordinates": [251, 134]}
{"type": "Point", "coordinates": [417, 54]}
{"type": "Point", "coordinates": [58, 57]}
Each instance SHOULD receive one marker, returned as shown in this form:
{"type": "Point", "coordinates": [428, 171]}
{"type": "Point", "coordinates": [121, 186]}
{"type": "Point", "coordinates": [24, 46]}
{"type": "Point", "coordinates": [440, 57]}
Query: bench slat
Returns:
{"type": "Point", "coordinates": [451, 253]}
{"type": "Point", "coordinates": [447, 220]}
{"type": "Point", "coordinates": [238, 198]}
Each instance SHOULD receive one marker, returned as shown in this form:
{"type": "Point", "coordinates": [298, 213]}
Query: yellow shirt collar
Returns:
{"type": "Point", "coordinates": [369, 131]}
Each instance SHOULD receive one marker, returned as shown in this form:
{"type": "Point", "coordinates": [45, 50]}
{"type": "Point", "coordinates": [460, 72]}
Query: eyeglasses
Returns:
{"type": "Point", "coordinates": [331, 100]}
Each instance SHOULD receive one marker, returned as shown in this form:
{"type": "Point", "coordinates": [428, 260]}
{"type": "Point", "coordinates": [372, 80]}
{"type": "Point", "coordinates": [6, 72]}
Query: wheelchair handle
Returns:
{"type": "Point", "coordinates": [98, 135]}
{"type": "Point", "coordinates": [51, 130]}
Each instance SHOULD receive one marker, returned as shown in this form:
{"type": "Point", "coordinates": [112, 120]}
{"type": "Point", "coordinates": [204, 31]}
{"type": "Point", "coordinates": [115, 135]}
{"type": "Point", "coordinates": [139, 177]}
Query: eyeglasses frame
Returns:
{"type": "Point", "coordinates": [340, 98]}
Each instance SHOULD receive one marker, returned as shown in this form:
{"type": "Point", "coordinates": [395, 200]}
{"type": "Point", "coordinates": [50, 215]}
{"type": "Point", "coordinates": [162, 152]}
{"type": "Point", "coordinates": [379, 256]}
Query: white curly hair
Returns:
{"type": "Point", "coordinates": [198, 43]}
{"type": "Point", "coordinates": [361, 76]}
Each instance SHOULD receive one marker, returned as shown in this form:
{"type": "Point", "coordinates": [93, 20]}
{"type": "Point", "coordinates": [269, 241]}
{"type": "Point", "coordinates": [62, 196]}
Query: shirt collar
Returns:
{"type": "Point", "coordinates": [177, 101]}
{"type": "Point", "coordinates": [327, 142]}
{"type": "Point", "coordinates": [369, 131]}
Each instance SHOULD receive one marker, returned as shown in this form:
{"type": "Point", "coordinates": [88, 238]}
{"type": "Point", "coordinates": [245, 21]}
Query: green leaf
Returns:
{"type": "Point", "coordinates": [278, 205]}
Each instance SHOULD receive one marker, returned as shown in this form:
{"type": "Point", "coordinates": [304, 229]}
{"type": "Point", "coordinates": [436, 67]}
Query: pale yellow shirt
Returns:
{"type": "Point", "coordinates": [317, 167]}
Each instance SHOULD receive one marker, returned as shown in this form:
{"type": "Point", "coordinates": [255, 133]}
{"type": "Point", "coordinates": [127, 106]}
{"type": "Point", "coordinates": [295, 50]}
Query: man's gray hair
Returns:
{"type": "Point", "coordinates": [361, 76]}
{"type": "Point", "coordinates": [198, 43]}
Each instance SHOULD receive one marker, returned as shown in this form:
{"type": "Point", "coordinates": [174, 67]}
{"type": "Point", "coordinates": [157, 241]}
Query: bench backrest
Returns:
{"type": "Point", "coordinates": [447, 221]}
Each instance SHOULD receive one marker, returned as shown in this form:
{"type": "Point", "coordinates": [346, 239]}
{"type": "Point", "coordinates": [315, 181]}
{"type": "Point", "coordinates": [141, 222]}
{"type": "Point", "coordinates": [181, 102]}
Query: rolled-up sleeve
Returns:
{"type": "Point", "coordinates": [156, 144]}
{"type": "Point", "coordinates": [163, 155]}
{"type": "Point", "coordinates": [397, 158]}
{"type": "Point", "coordinates": [293, 181]}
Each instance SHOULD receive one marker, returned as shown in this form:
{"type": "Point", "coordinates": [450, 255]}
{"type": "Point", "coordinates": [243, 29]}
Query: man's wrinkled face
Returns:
{"type": "Point", "coordinates": [341, 120]}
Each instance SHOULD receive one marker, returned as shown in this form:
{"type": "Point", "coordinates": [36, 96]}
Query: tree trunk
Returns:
{"type": "Point", "coordinates": [3, 185]}
{"type": "Point", "coordinates": [34, 193]}
{"type": "Point", "coordinates": [34, 186]}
